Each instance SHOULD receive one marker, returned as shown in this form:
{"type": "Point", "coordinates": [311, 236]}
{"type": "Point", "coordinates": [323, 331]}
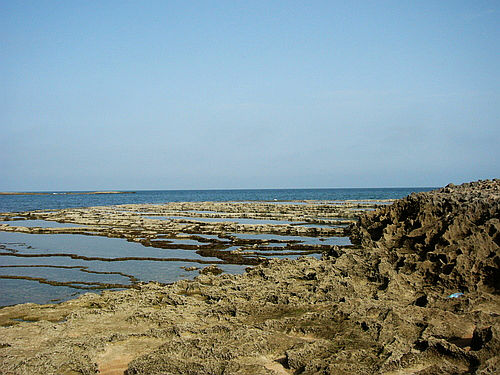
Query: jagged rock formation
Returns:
{"type": "Point", "coordinates": [449, 237]}
{"type": "Point", "coordinates": [383, 308]}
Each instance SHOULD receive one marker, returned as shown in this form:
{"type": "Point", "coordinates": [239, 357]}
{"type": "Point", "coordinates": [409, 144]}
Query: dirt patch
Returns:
{"type": "Point", "coordinates": [117, 356]}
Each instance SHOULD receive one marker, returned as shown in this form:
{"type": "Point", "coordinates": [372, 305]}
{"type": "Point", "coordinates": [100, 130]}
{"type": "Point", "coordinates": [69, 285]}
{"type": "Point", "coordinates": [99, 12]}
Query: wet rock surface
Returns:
{"type": "Point", "coordinates": [185, 233]}
{"type": "Point", "coordinates": [387, 306]}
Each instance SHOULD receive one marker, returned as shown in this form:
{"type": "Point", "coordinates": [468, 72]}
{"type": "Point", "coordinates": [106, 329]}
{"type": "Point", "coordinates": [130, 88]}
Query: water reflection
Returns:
{"type": "Point", "coordinates": [39, 223]}
{"type": "Point", "coordinates": [72, 263]}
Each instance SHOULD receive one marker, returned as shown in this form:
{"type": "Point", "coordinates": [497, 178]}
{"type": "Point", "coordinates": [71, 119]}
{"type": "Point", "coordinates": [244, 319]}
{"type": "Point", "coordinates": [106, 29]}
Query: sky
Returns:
{"type": "Point", "coordinates": [130, 95]}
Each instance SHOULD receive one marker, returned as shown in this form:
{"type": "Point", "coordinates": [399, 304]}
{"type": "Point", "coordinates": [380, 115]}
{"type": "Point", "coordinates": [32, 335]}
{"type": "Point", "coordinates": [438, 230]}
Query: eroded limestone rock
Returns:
{"type": "Point", "coordinates": [358, 310]}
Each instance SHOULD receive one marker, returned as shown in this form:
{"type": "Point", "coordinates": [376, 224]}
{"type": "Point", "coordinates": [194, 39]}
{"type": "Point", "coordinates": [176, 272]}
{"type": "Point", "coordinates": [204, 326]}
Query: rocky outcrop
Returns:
{"type": "Point", "coordinates": [449, 237]}
{"type": "Point", "coordinates": [388, 307]}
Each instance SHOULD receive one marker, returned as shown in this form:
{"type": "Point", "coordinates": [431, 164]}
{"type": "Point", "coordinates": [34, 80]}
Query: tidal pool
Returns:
{"type": "Point", "coordinates": [181, 241]}
{"type": "Point", "coordinates": [30, 223]}
{"type": "Point", "coordinates": [84, 263]}
{"type": "Point", "coordinates": [229, 219]}
{"type": "Point", "coordinates": [325, 225]}
{"type": "Point", "coordinates": [61, 265]}
{"type": "Point", "coordinates": [340, 241]}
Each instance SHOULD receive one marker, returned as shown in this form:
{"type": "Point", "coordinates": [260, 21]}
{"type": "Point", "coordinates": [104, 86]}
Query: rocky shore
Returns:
{"type": "Point", "coordinates": [195, 234]}
{"type": "Point", "coordinates": [418, 294]}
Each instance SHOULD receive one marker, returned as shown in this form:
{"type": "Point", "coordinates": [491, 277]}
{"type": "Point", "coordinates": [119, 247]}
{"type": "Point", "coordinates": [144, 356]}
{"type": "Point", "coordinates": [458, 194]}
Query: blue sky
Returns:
{"type": "Point", "coordinates": [247, 94]}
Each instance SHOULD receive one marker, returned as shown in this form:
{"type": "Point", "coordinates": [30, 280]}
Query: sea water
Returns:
{"type": "Point", "coordinates": [58, 200]}
{"type": "Point", "coordinates": [53, 261]}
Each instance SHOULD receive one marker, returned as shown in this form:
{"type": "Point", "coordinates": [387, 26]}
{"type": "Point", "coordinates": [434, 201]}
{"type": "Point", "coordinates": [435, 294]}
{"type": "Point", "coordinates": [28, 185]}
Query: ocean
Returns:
{"type": "Point", "coordinates": [48, 268]}
{"type": "Point", "coordinates": [61, 200]}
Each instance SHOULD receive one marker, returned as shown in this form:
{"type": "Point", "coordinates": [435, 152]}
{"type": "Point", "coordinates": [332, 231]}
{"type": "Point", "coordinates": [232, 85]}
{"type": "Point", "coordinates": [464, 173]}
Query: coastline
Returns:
{"type": "Point", "coordinates": [388, 305]}
{"type": "Point", "coordinates": [18, 203]}
{"type": "Point", "coordinates": [163, 237]}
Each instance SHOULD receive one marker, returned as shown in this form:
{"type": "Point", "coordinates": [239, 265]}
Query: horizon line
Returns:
{"type": "Point", "coordinates": [111, 191]}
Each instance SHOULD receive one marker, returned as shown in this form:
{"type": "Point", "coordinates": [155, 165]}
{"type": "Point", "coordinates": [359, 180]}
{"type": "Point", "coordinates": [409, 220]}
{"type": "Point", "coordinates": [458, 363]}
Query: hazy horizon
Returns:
{"type": "Point", "coordinates": [223, 189]}
{"type": "Point", "coordinates": [201, 95]}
